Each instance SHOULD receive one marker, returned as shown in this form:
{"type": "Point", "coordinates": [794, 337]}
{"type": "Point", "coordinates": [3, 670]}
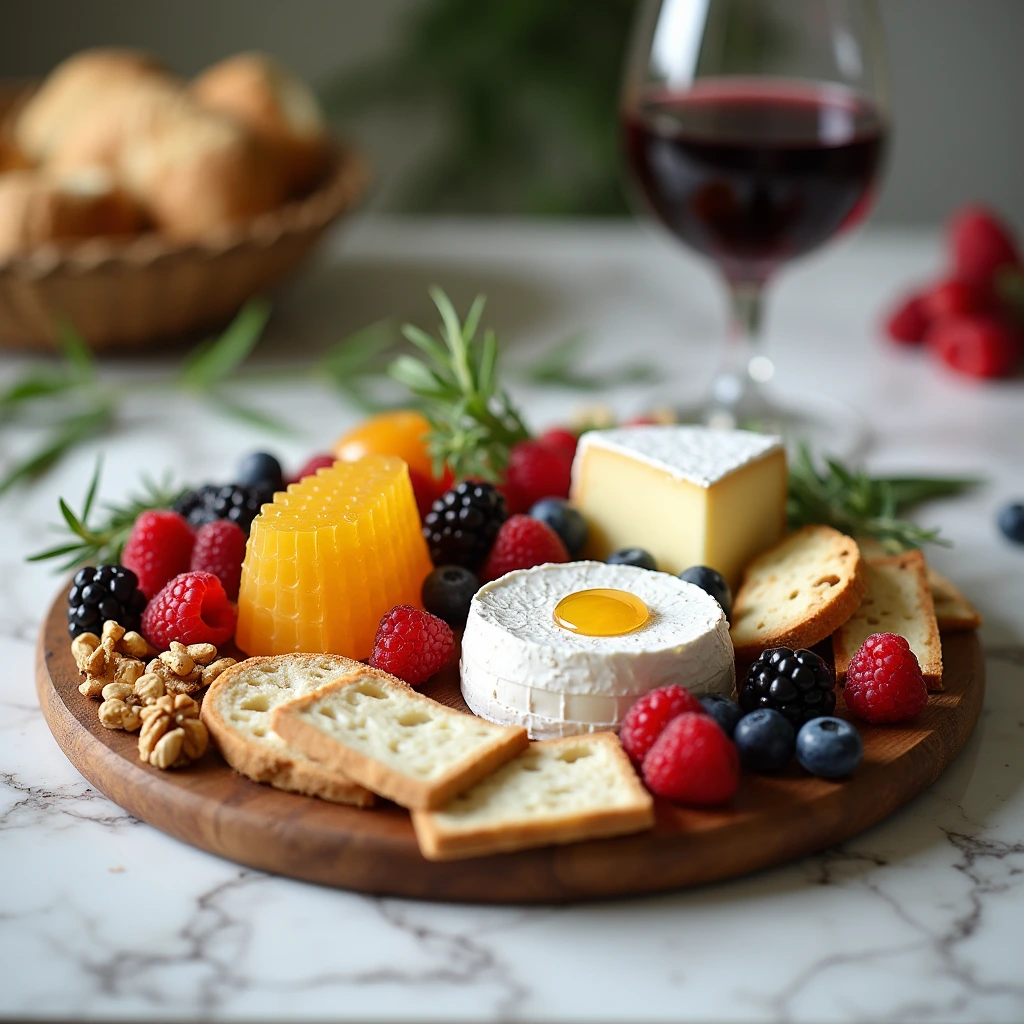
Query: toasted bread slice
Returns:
{"type": "Point", "coordinates": [798, 592]}
{"type": "Point", "coordinates": [237, 709]}
{"type": "Point", "coordinates": [394, 741]}
{"type": "Point", "coordinates": [953, 611]}
{"type": "Point", "coordinates": [899, 600]}
{"type": "Point", "coordinates": [556, 791]}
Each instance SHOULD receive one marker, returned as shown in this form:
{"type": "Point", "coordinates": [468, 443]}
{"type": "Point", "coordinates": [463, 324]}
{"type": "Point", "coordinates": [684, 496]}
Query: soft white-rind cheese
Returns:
{"type": "Point", "coordinates": [520, 667]}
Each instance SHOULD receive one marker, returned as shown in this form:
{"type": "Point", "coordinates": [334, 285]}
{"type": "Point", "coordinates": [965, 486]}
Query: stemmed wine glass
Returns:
{"type": "Point", "coordinates": [754, 131]}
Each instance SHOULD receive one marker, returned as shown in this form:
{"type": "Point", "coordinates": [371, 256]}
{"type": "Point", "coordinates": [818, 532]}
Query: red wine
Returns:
{"type": "Point", "coordinates": [755, 174]}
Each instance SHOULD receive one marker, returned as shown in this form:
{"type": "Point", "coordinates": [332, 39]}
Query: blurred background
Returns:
{"type": "Point", "coordinates": [508, 107]}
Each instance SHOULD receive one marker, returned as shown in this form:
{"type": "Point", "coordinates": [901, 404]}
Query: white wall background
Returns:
{"type": "Point", "coordinates": [957, 72]}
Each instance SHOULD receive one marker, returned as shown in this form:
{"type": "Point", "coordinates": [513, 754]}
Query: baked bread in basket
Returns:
{"type": "Point", "coordinates": [139, 207]}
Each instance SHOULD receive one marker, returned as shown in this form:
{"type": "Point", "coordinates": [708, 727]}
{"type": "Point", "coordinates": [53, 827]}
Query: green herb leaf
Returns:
{"type": "Point", "coordinates": [76, 351]}
{"type": "Point", "coordinates": [557, 367]}
{"type": "Point", "coordinates": [104, 542]}
{"type": "Point", "coordinates": [864, 506]}
{"type": "Point", "coordinates": [253, 417]}
{"type": "Point", "coordinates": [212, 361]}
{"type": "Point", "coordinates": [69, 433]}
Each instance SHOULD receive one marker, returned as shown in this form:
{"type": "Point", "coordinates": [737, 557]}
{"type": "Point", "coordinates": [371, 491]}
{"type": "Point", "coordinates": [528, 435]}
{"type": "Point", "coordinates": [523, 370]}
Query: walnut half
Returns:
{"type": "Point", "coordinates": [172, 734]}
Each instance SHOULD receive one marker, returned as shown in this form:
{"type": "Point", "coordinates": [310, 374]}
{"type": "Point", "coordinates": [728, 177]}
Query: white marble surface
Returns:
{"type": "Point", "coordinates": [921, 918]}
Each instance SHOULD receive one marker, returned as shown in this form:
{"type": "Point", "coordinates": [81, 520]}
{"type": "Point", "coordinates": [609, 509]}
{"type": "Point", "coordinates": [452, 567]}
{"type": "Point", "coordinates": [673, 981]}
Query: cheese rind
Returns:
{"type": "Point", "coordinates": [689, 495]}
{"type": "Point", "coordinates": [519, 667]}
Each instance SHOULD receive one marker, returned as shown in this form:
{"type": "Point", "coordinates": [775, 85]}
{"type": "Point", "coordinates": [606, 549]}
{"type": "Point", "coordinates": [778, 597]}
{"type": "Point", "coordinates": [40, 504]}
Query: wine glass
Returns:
{"type": "Point", "coordinates": [754, 131]}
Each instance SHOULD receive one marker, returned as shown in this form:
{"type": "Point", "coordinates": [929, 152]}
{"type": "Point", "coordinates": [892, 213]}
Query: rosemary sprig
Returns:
{"type": "Point", "coordinates": [865, 506]}
{"type": "Point", "coordinates": [558, 367]}
{"type": "Point", "coordinates": [104, 541]}
{"type": "Point", "coordinates": [473, 421]}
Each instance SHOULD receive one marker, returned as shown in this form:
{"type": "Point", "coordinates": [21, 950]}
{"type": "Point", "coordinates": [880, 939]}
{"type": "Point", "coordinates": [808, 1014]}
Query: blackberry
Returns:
{"type": "Point", "coordinates": [239, 503]}
{"type": "Point", "coordinates": [796, 683]}
{"type": "Point", "coordinates": [107, 592]}
{"type": "Point", "coordinates": [461, 525]}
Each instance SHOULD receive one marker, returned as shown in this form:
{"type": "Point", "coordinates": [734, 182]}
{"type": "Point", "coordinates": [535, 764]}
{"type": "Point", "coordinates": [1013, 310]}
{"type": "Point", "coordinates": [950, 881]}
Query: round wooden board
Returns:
{"type": "Point", "coordinates": [773, 818]}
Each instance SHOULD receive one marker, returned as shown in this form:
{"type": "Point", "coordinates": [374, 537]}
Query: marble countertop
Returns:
{"type": "Point", "coordinates": [919, 919]}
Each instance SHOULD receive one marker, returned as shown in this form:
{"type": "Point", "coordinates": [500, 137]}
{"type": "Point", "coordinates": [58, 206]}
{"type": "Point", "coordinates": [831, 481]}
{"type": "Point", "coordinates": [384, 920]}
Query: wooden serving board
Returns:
{"type": "Point", "coordinates": [773, 818]}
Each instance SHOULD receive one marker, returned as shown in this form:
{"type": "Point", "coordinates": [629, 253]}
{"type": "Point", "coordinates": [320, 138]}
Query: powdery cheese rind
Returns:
{"type": "Point", "coordinates": [700, 455]}
{"type": "Point", "coordinates": [520, 667]}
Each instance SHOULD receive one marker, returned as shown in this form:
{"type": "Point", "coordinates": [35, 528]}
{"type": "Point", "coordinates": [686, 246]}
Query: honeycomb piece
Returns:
{"type": "Point", "coordinates": [329, 557]}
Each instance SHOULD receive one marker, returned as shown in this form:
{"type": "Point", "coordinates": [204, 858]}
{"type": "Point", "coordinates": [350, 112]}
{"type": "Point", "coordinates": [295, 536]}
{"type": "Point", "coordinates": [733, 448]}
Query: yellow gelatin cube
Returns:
{"type": "Point", "coordinates": [329, 557]}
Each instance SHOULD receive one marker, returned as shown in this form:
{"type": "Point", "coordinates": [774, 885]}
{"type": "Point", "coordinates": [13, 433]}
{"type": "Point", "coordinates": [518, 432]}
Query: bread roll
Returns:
{"type": "Point", "coordinates": [196, 171]}
{"type": "Point", "coordinates": [276, 104]}
{"type": "Point", "coordinates": [11, 156]}
{"type": "Point", "coordinates": [74, 88]}
{"type": "Point", "coordinates": [37, 209]}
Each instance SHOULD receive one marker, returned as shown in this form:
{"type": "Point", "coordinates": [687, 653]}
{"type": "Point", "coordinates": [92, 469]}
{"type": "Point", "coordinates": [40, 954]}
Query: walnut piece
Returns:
{"type": "Point", "coordinates": [172, 734]}
{"type": "Point", "coordinates": [188, 669]}
{"type": "Point", "coordinates": [149, 687]}
{"type": "Point", "coordinates": [112, 657]}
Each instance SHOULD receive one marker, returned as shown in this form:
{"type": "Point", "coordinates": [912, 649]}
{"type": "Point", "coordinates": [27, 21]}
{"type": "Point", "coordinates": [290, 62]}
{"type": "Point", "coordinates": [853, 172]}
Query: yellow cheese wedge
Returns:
{"type": "Point", "coordinates": [688, 495]}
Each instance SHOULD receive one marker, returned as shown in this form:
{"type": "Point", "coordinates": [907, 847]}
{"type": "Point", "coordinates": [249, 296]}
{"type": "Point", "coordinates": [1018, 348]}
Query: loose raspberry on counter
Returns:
{"type": "Point", "coordinates": [977, 345]}
{"type": "Point", "coordinates": [537, 471]}
{"type": "Point", "coordinates": [412, 644]}
{"type": "Point", "coordinates": [522, 543]}
{"type": "Point", "coordinates": [908, 323]}
{"type": "Point", "coordinates": [647, 718]}
{"type": "Point", "coordinates": [953, 297]}
{"type": "Point", "coordinates": [192, 609]}
{"type": "Point", "coordinates": [220, 549]}
{"type": "Point", "coordinates": [692, 762]}
{"type": "Point", "coordinates": [981, 245]}
{"type": "Point", "coordinates": [884, 681]}
{"type": "Point", "coordinates": [159, 547]}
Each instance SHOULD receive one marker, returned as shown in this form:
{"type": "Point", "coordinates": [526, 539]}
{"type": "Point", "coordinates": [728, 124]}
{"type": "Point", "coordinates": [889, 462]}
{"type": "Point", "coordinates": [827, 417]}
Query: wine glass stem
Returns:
{"type": "Point", "coordinates": [736, 391]}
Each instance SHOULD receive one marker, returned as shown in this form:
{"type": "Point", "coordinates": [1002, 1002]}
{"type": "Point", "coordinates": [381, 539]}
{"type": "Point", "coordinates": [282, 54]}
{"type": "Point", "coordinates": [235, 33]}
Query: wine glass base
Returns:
{"type": "Point", "coordinates": [826, 427]}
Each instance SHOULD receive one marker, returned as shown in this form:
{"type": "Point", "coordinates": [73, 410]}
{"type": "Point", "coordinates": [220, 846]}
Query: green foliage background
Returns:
{"type": "Point", "coordinates": [530, 93]}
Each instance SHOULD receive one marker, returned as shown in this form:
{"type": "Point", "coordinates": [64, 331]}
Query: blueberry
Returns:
{"type": "Point", "coordinates": [260, 468]}
{"type": "Point", "coordinates": [565, 520]}
{"type": "Point", "coordinates": [724, 711]}
{"type": "Point", "coordinates": [632, 556]}
{"type": "Point", "coordinates": [712, 582]}
{"type": "Point", "coordinates": [829, 747]}
{"type": "Point", "coordinates": [1011, 522]}
{"type": "Point", "coordinates": [447, 593]}
{"type": "Point", "coordinates": [765, 740]}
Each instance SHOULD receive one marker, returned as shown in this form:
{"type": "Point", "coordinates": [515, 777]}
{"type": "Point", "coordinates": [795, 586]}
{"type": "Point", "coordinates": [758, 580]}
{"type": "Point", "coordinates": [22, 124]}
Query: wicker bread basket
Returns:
{"type": "Point", "coordinates": [122, 294]}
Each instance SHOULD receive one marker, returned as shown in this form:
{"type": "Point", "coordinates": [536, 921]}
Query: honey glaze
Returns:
{"type": "Point", "coordinates": [601, 612]}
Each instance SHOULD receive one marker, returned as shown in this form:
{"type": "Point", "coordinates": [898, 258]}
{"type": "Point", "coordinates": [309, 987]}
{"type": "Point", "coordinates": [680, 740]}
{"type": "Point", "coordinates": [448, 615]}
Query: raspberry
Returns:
{"type": "Point", "coordinates": [559, 439]}
{"type": "Point", "coordinates": [159, 547]}
{"type": "Point", "coordinates": [692, 762]}
{"type": "Point", "coordinates": [412, 644]}
{"type": "Point", "coordinates": [522, 543]}
{"type": "Point", "coordinates": [884, 681]}
{"type": "Point", "coordinates": [192, 609]}
{"type": "Point", "coordinates": [979, 346]}
{"type": "Point", "coordinates": [315, 462]}
{"type": "Point", "coordinates": [536, 471]}
{"type": "Point", "coordinates": [646, 719]}
{"type": "Point", "coordinates": [908, 322]}
{"type": "Point", "coordinates": [220, 549]}
{"type": "Point", "coordinates": [981, 245]}
{"type": "Point", "coordinates": [952, 297]}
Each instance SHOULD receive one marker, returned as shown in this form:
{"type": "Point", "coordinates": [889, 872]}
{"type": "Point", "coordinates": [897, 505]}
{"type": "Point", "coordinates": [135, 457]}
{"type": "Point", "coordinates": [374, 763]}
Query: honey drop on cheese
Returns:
{"type": "Point", "coordinates": [601, 612]}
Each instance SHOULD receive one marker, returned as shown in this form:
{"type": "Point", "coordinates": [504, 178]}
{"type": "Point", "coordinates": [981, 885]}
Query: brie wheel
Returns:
{"type": "Point", "coordinates": [519, 667]}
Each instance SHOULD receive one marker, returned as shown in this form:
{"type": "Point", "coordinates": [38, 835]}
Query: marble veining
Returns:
{"type": "Point", "coordinates": [918, 919]}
